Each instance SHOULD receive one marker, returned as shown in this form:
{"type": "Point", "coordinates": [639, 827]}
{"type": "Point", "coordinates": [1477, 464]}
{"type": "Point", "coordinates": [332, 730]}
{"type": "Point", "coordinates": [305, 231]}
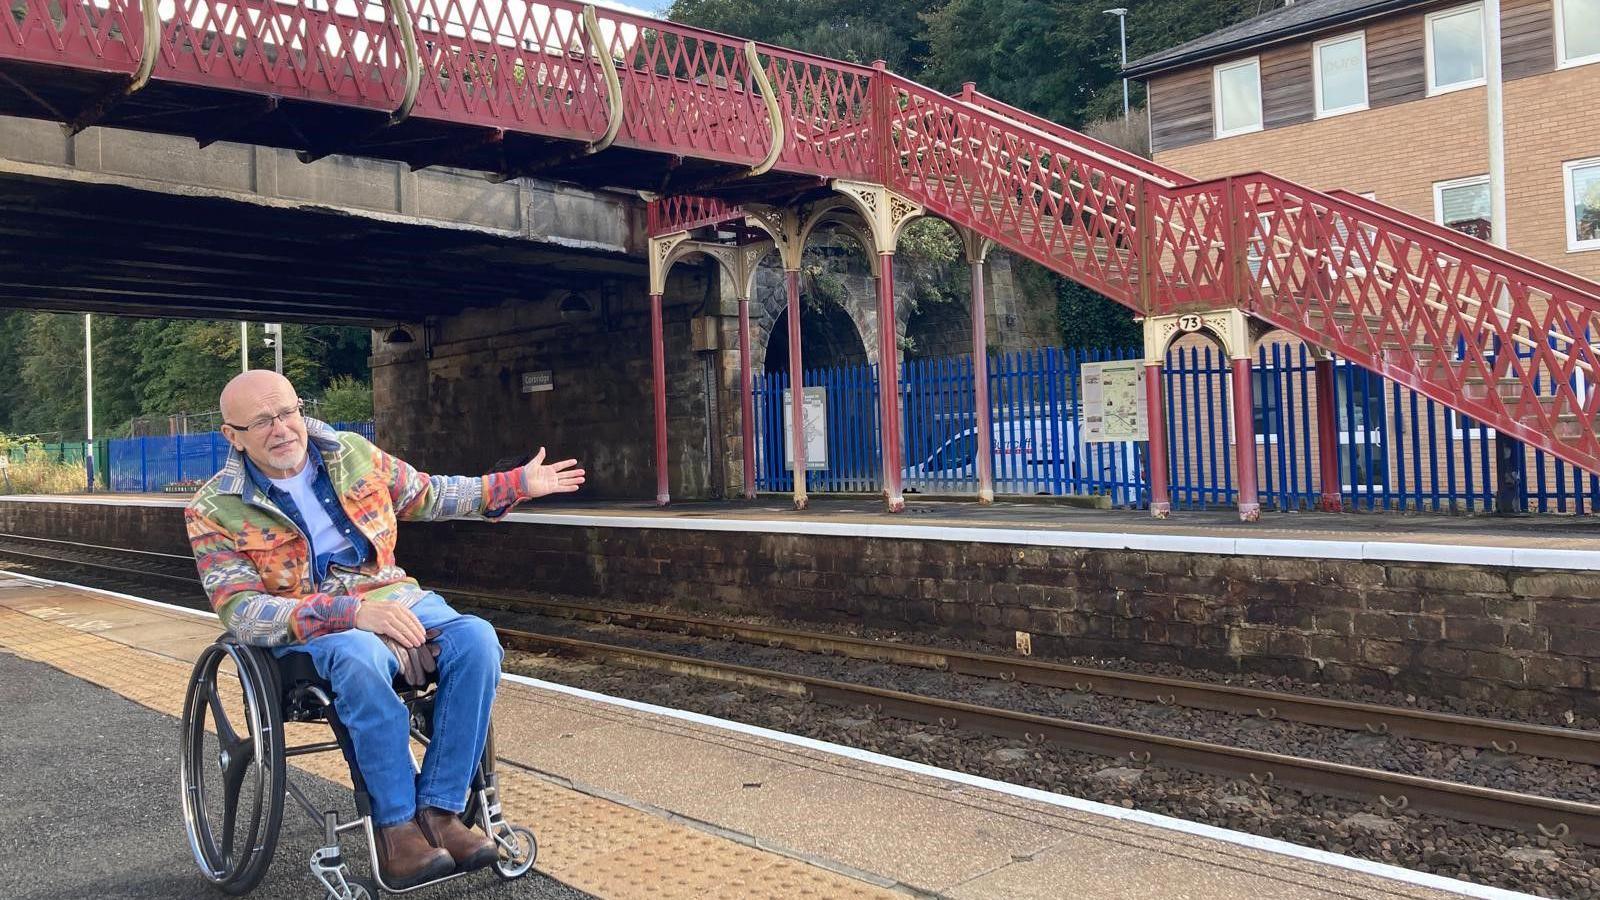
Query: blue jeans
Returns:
{"type": "Point", "coordinates": [361, 671]}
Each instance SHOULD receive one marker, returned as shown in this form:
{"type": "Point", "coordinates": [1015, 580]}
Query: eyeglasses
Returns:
{"type": "Point", "coordinates": [265, 423]}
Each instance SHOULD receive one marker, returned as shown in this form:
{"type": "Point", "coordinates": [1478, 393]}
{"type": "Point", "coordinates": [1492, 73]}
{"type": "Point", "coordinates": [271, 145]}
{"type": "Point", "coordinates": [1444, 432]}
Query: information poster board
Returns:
{"type": "Point", "coordinates": [1114, 407]}
{"type": "Point", "coordinates": [816, 428]}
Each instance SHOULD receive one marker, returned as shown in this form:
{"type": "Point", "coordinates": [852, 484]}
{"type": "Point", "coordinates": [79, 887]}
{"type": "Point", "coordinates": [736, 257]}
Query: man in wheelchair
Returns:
{"type": "Point", "coordinates": [295, 539]}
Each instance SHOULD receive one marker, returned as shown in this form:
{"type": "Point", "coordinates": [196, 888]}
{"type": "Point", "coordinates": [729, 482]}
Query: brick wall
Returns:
{"type": "Point", "coordinates": [1523, 638]}
{"type": "Point", "coordinates": [1399, 151]}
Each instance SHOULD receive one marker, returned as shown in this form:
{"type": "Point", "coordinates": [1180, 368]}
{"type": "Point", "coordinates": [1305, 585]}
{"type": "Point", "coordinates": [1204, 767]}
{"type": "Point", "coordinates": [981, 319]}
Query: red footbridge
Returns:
{"type": "Point", "coordinates": [736, 142]}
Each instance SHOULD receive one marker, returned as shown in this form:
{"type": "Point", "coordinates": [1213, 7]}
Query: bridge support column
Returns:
{"type": "Point", "coordinates": [747, 401]}
{"type": "Point", "coordinates": [1332, 499]}
{"type": "Point", "coordinates": [1155, 408]}
{"type": "Point", "coordinates": [664, 251]}
{"type": "Point", "coordinates": [1244, 439]}
{"type": "Point", "coordinates": [885, 213]}
{"type": "Point", "coordinates": [791, 278]}
{"type": "Point", "coordinates": [978, 248]}
{"type": "Point", "coordinates": [658, 368]}
{"type": "Point", "coordinates": [889, 386]}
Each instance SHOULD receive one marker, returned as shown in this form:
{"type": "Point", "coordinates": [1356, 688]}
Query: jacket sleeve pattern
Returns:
{"type": "Point", "coordinates": [419, 497]}
{"type": "Point", "coordinates": [240, 599]}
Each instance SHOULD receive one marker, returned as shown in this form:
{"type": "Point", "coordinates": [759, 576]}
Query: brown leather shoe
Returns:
{"type": "Point", "coordinates": [406, 859]}
{"type": "Point", "coordinates": [470, 849]}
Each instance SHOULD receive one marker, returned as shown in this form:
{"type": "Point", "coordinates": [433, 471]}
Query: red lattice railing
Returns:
{"type": "Point", "coordinates": [349, 55]}
{"type": "Point", "coordinates": [1066, 211]}
{"type": "Point", "coordinates": [1503, 343]}
{"type": "Point", "coordinates": [101, 37]}
{"type": "Point", "coordinates": [686, 211]}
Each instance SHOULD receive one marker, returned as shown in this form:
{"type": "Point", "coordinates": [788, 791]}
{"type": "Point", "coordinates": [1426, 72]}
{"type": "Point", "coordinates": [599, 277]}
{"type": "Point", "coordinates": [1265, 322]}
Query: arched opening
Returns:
{"type": "Point", "coordinates": [828, 338]}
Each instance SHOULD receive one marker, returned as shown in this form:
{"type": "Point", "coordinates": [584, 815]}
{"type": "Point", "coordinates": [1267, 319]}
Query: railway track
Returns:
{"type": "Point", "coordinates": [1488, 734]}
{"type": "Point", "coordinates": [1552, 818]}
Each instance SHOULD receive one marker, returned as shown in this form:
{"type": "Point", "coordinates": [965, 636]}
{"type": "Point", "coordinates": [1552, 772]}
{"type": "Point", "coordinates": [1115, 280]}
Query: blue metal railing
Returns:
{"type": "Point", "coordinates": [145, 464]}
{"type": "Point", "coordinates": [1397, 450]}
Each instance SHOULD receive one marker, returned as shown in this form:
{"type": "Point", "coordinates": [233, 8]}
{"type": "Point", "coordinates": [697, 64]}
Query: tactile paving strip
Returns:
{"type": "Point", "coordinates": [595, 845]}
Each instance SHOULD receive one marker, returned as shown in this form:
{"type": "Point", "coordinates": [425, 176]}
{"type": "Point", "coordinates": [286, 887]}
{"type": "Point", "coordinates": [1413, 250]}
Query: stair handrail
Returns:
{"type": "Point", "coordinates": [1504, 256]}
{"type": "Point", "coordinates": [1127, 158]}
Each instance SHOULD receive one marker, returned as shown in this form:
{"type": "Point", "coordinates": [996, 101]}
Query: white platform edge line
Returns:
{"type": "Point", "coordinates": [143, 601]}
{"type": "Point", "coordinates": [1269, 845]}
{"type": "Point", "coordinates": [1294, 548]}
{"type": "Point", "coordinates": [1198, 829]}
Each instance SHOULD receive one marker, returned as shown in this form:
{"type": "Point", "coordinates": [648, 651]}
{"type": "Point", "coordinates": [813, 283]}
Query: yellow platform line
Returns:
{"type": "Point", "coordinates": [593, 844]}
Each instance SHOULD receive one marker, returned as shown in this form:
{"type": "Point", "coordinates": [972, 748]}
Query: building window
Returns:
{"type": "Point", "coordinates": [1583, 204]}
{"type": "Point", "coordinates": [1455, 49]}
{"type": "Point", "coordinates": [1463, 204]}
{"type": "Point", "coordinates": [1236, 95]}
{"type": "Point", "coordinates": [1341, 74]}
{"type": "Point", "coordinates": [1577, 32]}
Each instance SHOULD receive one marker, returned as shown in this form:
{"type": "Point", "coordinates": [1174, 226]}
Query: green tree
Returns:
{"type": "Point", "coordinates": [347, 400]}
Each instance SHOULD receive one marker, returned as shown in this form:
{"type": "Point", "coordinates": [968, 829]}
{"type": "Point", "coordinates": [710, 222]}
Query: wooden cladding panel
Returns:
{"type": "Point", "coordinates": [1180, 102]}
{"type": "Point", "coordinates": [1527, 38]}
{"type": "Point", "coordinates": [1180, 109]}
{"type": "Point", "coordinates": [1286, 87]}
{"type": "Point", "coordinates": [1396, 71]}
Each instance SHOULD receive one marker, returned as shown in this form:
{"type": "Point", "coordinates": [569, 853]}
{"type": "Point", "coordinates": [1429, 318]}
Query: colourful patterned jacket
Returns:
{"type": "Point", "coordinates": [256, 565]}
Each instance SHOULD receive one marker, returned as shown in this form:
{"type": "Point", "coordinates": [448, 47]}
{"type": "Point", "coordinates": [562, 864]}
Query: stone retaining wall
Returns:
{"type": "Point", "coordinates": [1522, 638]}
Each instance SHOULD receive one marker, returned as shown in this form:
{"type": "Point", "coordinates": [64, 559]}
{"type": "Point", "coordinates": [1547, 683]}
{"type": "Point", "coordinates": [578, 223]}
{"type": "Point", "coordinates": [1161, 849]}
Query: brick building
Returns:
{"type": "Point", "coordinates": [1386, 98]}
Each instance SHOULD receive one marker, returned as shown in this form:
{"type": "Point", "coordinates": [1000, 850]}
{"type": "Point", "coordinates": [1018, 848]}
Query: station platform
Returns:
{"type": "Point", "coordinates": [633, 801]}
{"type": "Point", "coordinates": [1530, 541]}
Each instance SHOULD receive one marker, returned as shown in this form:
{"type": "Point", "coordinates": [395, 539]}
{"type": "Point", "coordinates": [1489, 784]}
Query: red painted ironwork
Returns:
{"type": "Point", "coordinates": [1330, 486]}
{"type": "Point", "coordinates": [889, 386]}
{"type": "Point", "coordinates": [1160, 465]}
{"type": "Point", "coordinates": [516, 66]}
{"type": "Point", "coordinates": [683, 212]}
{"type": "Point", "coordinates": [747, 401]}
{"type": "Point", "coordinates": [827, 114]}
{"type": "Point", "coordinates": [1021, 189]}
{"type": "Point", "coordinates": [797, 405]}
{"type": "Point", "coordinates": [1244, 440]}
{"type": "Point", "coordinates": [102, 37]}
{"type": "Point", "coordinates": [658, 384]}
{"type": "Point", "coordinates": [350, 55]}
{"type": "Point", "coordinates": [1503, 344]}
{"type": "Point", "coordinates": [980, 383]}
{"type": "Point", "coordinates": [1499, 337]}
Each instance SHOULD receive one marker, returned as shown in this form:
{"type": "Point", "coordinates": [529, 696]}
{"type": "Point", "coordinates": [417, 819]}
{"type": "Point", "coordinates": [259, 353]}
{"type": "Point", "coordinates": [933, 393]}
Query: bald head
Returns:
{"type": "Point", "coordinates": [260, 411]}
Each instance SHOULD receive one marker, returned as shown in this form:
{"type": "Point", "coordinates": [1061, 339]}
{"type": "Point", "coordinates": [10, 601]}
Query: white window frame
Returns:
{"type": "Point", "coordinates": [1427, 49]}
{"type": "Point", "coordinates": [1316, 74]}
{"type": "Point", "coordinates": [1439, 187]}
{"type": "Point", "coordinates": [1567, 168]}
{"type": "Point", "coordinates": [1216, 98]}
{"type": "Point", "coordinates": [1561, 44]}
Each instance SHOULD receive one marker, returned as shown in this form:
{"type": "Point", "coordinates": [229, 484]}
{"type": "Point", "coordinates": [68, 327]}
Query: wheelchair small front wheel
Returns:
{"type": "Point", "coordinates": [514, 864]}
{"type": "Point", "coordinates": [231, 774]}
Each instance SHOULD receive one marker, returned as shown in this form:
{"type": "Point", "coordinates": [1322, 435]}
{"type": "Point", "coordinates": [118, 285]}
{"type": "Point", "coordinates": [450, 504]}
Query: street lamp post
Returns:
{"type": "Point", "coordinates": [1121, 13]}
{"type": "Point", "coordinates": [88, 400]}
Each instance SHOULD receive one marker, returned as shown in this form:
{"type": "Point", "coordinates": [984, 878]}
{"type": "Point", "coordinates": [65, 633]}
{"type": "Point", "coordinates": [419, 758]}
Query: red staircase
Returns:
{"type": "Point", "coordinates": [609, 98]}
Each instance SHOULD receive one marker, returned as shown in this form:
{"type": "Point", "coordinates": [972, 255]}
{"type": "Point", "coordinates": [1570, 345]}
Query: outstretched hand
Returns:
{"type": "Point", "coordinates": [539, 479]}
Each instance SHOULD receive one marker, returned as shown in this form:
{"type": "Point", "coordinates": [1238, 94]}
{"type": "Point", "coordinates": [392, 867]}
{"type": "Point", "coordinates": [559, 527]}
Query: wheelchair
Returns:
{"type": "Point", "coordinates": [234, 782]}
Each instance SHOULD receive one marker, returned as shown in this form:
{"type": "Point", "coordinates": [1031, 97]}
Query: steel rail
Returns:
{"type": "Point", "coordinates": [1553, 818]}
{"type": "Point", "coordinates": [191, 580]}
{"type": "Point", "coordinates": [1567, 744]}
{"type": "Point", "coordinates": [1571, 745]}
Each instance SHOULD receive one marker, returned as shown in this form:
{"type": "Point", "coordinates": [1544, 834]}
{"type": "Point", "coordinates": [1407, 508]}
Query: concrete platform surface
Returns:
{"type": "Point", "coordinates": [629, 802]}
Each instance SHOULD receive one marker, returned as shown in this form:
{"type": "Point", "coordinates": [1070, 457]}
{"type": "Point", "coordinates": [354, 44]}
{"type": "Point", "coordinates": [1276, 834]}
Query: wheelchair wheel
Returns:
{"type": "Point", "coordinates": [232, 773]}
{"type": "Point", "coordinates": [514, 864]}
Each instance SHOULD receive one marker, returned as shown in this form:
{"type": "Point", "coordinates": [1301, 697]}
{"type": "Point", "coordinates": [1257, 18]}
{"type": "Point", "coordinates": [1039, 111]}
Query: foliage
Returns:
{"type": "Point", "coordinates": [149, 367]}
{"type": "Point", "coordinates": [1058, 59]}
{"type": "Point", "coordinates": [347, 400]}
{"type": "Point", "coordinates": [37, 473]}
